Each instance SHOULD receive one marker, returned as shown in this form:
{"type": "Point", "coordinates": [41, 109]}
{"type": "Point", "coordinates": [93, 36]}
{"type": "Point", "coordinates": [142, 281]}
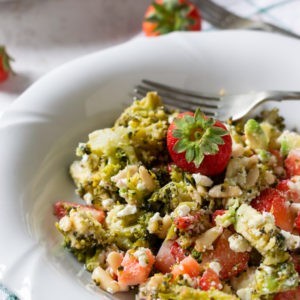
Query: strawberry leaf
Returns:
{"type": "Point", "coordinates": [190, 154]}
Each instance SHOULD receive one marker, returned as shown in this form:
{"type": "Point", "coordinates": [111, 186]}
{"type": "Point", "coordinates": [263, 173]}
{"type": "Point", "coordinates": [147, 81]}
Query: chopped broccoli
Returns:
{"type": "Point", "coordinates": [262, 234]}
{"type": "Point", "coordinates": [275, 279]}
{"type": "Point", "coordinates": [168, 197]}
{"type": "Point", "coordinates": [83, 234]}
{"type": "Point", "coordinates": [255, 136]}
{"type": "Point", "coordinates": [147, 123]}
{"type": "Point", "coordinates": [128, 230]}
{"type": "Point", "coordinates": [288, 140]}
{"type": "Point", "coordinates": [272, 117]}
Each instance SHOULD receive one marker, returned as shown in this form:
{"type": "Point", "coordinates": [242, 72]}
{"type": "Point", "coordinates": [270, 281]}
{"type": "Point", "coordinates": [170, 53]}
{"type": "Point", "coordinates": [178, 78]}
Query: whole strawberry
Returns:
{"type": "Point", "coordinates": [198, 144]}
{"type": "Point", "coordinates": [165, 16]}
{"type": "Point", "coordinates": [5, 68]}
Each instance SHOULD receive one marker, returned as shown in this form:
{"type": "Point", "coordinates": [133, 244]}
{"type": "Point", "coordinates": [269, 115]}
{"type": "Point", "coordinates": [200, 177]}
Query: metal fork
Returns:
{"type": "Point", "coordinates": [224, 19]}
{"type": "Point", "coordinates": [223, 107]}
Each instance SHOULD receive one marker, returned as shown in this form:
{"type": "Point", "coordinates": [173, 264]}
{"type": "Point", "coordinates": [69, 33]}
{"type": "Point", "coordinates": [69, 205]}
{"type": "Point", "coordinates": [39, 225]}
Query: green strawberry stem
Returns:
{"type": "Point", "coordinates": [170, 16]}
{"type": "Point", "coordinates": [6, 59]}
{"type": "Point", "coordinates": [197, 136]}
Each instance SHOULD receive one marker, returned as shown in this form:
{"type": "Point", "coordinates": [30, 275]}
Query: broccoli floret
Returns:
{"type": "Point", "coordinates": [127, 226]}
{"type": "Point", "coordinates": [261, 233]}
{"type": "Point", "coordinates": [83, 234]}
{"type": "Point", "coordinates": [255, 136]}
{"type": "Point", "coordinates": [168, 197]}
{"type": "Point", "coordinates": [275, 279]}
{"type": "Point", "coordinates": [288, 140]}
{"type": "Point", "coordinates": [147, 122]}
{"type": "Point", "coordinates": [109, 153]}
{"type": "Point", "coordinates": [272, 117]}
{"type": "Point", "coordinates": [135, 184]}
{"type": "Point", "coordinates": [163, 287]}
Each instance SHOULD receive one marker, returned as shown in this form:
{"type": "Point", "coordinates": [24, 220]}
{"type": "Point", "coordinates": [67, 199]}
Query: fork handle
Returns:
{"type": "Point", "coordinates": [273, 28]}
{"type": "Point", "coordinates": [282, 95]}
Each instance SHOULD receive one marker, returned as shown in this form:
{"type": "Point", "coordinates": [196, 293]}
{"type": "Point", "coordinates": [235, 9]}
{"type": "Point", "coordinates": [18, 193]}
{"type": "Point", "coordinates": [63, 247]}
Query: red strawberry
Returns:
{"type": "Point", "coordinates": [297, 222]}
{"type": "Point", "coordinates": [218, 212]}
{"type": "Point", "coordinates": [177, 252]}
{"type": "Point", "coordinates": [164, 16]}
{"type": "Point", "coordinates": [272, 200]}
{"type": "Point", "coordinates": [210, 280]}
{"type": "Point", "coordinates": [199, 144]}
{"type": "Point", "coordinates": [290, 194]}
{"type": "Point", "coordinates": [292, 163]}
{"type": "Point", "coordinates": [5, 68]}
{"type": "Point", "coordinates": [288, 295]}
{"type": "Point", "coordinates": [232, 263]}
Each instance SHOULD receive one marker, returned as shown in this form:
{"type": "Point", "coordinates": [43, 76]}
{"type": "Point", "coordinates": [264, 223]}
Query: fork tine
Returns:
{"type": "Point", "coordinates": [179, 105]}
{"type": "Point", "coordinates": [163, 87]}
{"type": "Point", "coordinates": [178, 99]}
{"type": "Point", "coordinates": [182, 104]}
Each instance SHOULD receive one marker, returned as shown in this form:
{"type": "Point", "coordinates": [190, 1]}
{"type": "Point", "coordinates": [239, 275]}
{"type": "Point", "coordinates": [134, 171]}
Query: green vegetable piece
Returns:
{"type": "Point", "coordinates": [288, 140]}
{"type": "Point", "coordinates": [261, 232]}
{"type": "Point", "coordinates": [275, 279]}
{"type": "Point", "coordinates": [255, 136]}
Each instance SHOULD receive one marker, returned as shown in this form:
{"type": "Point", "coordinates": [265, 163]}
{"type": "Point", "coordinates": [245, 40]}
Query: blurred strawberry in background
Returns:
{"type": "Point", "coordinates": [5, 68]}
{"type": "Point", "coordinates": [164, 16]}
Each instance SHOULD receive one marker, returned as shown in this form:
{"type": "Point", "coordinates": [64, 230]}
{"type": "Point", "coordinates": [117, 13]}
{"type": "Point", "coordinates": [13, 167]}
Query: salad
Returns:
{"type": "Point", "coordinates": [181, 206]}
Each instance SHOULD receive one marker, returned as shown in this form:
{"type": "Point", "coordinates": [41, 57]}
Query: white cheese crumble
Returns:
{"type": "Point", "coordinates": [245, 293]}
{"type": "Point", "coordinates": [78, 222]}
{"type": "Point", "coordinates": [183, 210]}
{"type": "Point", "coordinates": [84, 158]}
{"type": "Point", "coordinates": [142, 257]}
{"type": "Point", "coordinates": [292, 241]}
{"type": "Point", "coordinates": [238, 244]}
{"type": "Point", "coordinates": [215, 266]}
{"type": "Point", "coordinates": [107, 203]}
{"type": "Point", "coordinates": [202, 180]}
{"type": "Point", "coordinates": [65, 224]}
{"type": "Point", "coordinates": [155, 218]}
{"type": "Point", "coordinates": [294, 184]}
{"type": "Point", "coordinates": [88, 198]}
{"type": "Point", "coordinates": [141, 186]}
{"type": "Point", "coordinates": [127, 210]}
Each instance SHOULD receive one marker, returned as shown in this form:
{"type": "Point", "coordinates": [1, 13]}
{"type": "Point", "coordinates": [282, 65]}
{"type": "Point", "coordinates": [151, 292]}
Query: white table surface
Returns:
{"type": "Point", "coordinates": [42, 35]}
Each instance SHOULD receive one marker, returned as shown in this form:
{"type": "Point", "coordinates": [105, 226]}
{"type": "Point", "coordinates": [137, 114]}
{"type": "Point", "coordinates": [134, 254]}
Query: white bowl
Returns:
{"type": "Point", "coordinates": [40, 131]}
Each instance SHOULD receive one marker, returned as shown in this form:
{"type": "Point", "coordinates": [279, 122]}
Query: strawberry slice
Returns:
{"type": "Point", "coordinates": [272, 200]}
{"type": "Point", "coordinates": [289, 189]}
{"type": "Point", "coordinates": [164, 261]}
{"type": "Point", "coordinates": [218, 212]}
{"type": "Point", "coordinates": [184, 223]}
{"type": "Point", "coordinates": [177, 252]}
{"type": "Point", "coordinates": [188, 265]}
{"type": "Point", "coordinates": [210, 280]}
{"type": "Point", "coordinates": [297, 222]}
{"type": "Point", "coordinates": [288, 295]}
{"type": "Point", "coordinates": [296, 261]}
{"type": "Point", "coordinates": [134, 272]}
{"type": "Point", "coordinates": [62, 208]}
{"type": "Point", "coordinates": [292, 163]}
{"type": "Point", "coordinates": [232, 263]}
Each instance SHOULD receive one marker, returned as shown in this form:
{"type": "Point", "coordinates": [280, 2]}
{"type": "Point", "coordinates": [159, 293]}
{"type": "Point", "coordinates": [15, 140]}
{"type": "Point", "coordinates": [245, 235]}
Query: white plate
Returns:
{"type": "Point", "coordinates": [41, 129]}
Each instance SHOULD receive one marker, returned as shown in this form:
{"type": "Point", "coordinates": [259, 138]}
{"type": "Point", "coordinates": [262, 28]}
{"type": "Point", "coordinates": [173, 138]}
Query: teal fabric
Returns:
{"type": "Point", "coordinates": [6, 294]}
